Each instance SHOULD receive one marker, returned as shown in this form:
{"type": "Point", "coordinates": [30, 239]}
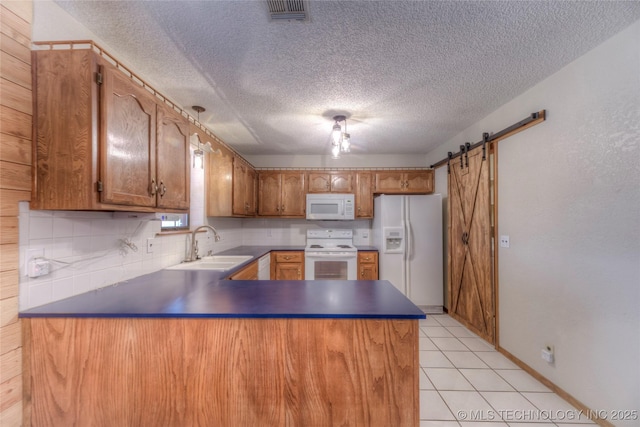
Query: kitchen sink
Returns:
{"type": "Point", "coordinates": [215, 262]}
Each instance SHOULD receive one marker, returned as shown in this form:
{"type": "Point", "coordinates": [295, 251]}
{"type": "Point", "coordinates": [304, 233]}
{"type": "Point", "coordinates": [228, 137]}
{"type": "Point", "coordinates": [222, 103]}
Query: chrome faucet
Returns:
{"type": "Point", "coordinates": [194, 243]}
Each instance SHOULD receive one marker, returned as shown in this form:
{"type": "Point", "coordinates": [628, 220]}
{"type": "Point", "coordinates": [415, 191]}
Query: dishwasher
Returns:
{"type": "Point", "coordinates": [264, 267]}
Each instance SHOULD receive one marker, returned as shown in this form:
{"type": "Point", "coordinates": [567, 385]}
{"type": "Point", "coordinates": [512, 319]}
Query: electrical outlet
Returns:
{"type": "Point", "coordinates": [31, 254]}
{"type": "Point", "coordinates": [504, 241]}
{"type": "Point", "coordinates": [150, 244]}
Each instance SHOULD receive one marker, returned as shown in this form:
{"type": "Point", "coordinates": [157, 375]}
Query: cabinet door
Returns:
{"type": "Point", "coordinates": [388, 182]}
{"type": "Point", "coordinates": [250, 191]}
{"type": "Point", "coordinates": [341, 182]}
{"type": "Point", "coordinates": [289, 271]}
{"type": "Point", "coordinates": [219, 183]}
{"type": "Point", "coordinates": [293, 194]}
{"type": "Point", "coordinates": [173, 166]}
{"type": "Point", "coordinates": [269, 190]}
{"type": "Point", "coordinates": [364, 195]}
{"type": "Point", "coordinates": [128, 146]}
{"type": "Point", "coordinates": [250, 272]}
{"type": "Point", "coordinates": [239, 187]}
{"type": "Point", "coordinates": [319, 182]}
{"type": "Point", "coordinates": [418, 181]}
{"type": "Point", "coordinates": [64, 156]}
{"type": "Point", "coordinates": [368, 265]}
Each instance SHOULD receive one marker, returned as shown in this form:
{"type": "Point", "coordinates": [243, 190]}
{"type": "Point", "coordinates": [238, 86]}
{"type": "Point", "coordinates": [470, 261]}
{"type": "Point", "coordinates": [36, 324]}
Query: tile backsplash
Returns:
{"type": "Point", "coordinates": [91, 250]}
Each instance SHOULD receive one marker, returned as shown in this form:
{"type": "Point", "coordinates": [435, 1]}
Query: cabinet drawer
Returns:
{"type": "Point", "coordinates": [368, 257]}
{"type": "Point", "coordinates": [289, 256]}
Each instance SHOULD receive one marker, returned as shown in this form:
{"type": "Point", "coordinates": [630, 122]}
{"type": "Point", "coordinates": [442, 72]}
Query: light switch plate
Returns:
{"type": "Point", "coordinates": [504, 241]}
{"type": "Point", "coordinates": [150, 246]}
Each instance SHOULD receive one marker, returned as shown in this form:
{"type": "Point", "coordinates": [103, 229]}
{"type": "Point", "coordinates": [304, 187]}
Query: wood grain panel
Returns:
{"type": "Point", "coordinates": [128, 135]}
{"type": "Point", "coordinates": [10, 392]}
{"type": "Point", "coordinates": [22, 9]}
{"type": "Point", "coordinates": [15, 96]}
{"type": "Point", "coordinates": [15, 149]}
{"type": "Point", "coordinates": [13, 25]}
{"type": "Point", "coordinates": [8, 311]}
{"type": "Point", "coordinates": [173, 165]}
{"type": "Point", "coordinates": [8, 230]}
{"type": "Point", "coordinates": [15, 70]}
{"type": "Point", "coordinates": [227, 372]}
{"type": "Point", "coordinates": [10, 337]}
{"type": "Point", "coordinates": [9, 201]}
{"type": "Point", "coordinates": [13, 48]}
{"type": "Point", "coordinates": [15, 122]}
{"type": "Point", "coordinates": [65, 149]}
{"type": "Point", "coordinates": [12, 416]}
{"type": "Point", "coordinates": [9, 257]}
{"type": "Point", "coordinates": [10, 364]}
{"type": "Point", "coordinates": [15, 176]}
{"type": "Point", "coordinates": [9, 283]}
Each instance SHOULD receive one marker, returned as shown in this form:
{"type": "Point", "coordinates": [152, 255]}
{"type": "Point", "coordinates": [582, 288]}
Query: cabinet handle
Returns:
{"type": "Point", "coordinates": [367, 259]}
{"type": "Point", "coordinates": [359, 209]}
{"type": "Point", "coordinates": [282, 208]}
{"type": "Point", "coordinates": [163, 189]}
{"type": "Point", "coordinates": [153, 188]}
{"type": "Point", "coordinates": [406, 184]}
{"type": "Point", "coordinates": [362, 273]}
{"type": "Point", "coordinates": [287, 258]}
{"type": "Point", "coordinates": [277, 209]}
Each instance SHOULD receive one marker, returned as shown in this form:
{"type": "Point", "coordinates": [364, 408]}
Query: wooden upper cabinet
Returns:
{"type": "Point", "coordinates": [364, 195]}
{"type": "Point", "coordinates": [294, 201]}
{"type": "Point", "coordinates": [404, 182]}
{"type": "Point", "coordinates": [281, 194]}
{"type": "Point", "coordinates": [65, 151]}
{"type": "Point", "coordinates": [244, 193]}
{"type": "Point", "coordinates": [128, 135]}
{"type": "Point", "coordinates": [173, 155]}
{"type": "Point", "coordinates": [330, 182]}
{"type": "Point", "coordinates": [269, 193]}
{"type": "Point", "coordinates": [219, 178]}
{"type": "Point", "coordinates": [96, 145]}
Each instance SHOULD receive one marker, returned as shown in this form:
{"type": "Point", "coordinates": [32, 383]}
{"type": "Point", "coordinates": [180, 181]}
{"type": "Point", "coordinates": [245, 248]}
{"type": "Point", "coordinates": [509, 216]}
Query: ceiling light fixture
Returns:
{"type": "Point", "coordinates": [340, 141]}
{"type": "Point", "coordinates": [198, 153]}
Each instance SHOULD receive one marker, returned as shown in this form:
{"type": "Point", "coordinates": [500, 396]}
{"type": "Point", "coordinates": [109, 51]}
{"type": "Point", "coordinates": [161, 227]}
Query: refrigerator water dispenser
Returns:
{"type": "Point", "coordinates": [393, 240]}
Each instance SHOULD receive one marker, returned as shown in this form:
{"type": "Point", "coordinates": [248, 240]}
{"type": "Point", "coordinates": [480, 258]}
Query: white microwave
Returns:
{"type": "Point", "coordinates": [330, 206]}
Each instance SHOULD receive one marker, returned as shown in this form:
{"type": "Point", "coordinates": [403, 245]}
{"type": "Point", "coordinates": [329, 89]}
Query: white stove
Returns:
{"type": "Point", "coordinates": [330, 255]}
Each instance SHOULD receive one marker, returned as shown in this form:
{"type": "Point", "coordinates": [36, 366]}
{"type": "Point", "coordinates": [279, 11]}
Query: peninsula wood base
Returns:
{"type": "Point", "coordinates": [222, 372]}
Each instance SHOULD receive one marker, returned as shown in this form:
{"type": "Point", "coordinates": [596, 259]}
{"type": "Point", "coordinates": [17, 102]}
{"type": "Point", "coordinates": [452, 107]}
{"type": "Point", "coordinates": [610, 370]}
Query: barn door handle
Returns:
{"type": "Point", "coordinates": [465, 238]}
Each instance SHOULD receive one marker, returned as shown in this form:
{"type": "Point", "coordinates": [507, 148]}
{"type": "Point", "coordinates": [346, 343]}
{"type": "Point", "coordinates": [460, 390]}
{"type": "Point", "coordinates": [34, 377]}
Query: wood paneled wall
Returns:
{"type": "Point", "coordinates": [15, 186]}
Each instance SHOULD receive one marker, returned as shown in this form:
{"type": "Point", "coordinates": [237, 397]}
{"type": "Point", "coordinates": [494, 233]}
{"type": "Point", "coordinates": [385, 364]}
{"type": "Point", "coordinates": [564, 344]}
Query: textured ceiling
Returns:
{"type": "Point", "coordinates": [408, 74]}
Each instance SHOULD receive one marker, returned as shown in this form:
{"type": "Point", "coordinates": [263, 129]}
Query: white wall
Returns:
{"type": "Point", "coordinates": [569, 197]}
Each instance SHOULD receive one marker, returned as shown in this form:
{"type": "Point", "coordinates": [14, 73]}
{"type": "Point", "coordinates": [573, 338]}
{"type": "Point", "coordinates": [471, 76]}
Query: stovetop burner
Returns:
{"type": "Point", "coordinates": [344, 246]}
{"type": "Point", "coordinates": [316, 246]}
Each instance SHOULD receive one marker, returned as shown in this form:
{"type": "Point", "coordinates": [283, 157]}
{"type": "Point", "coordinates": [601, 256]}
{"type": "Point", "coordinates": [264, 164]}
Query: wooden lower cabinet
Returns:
{"type": "Point", "coordinates": [221, 372]}
{"type": "Point", "coordinates": [250, 272]}
{"type": "Point", "coordinates": [368, 265]}
{"type": "Point", "coordinates": [287, 265]}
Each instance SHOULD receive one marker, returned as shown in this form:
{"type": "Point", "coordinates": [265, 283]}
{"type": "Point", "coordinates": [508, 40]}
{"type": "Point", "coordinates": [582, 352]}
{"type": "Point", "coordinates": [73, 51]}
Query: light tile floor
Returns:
{"type": "Point", "coordinates": [465, 382]}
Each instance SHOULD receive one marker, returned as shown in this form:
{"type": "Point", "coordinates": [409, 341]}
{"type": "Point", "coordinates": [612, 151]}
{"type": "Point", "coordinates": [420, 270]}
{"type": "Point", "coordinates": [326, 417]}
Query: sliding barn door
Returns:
{"type": "Point", "coordinates": [471, 294]}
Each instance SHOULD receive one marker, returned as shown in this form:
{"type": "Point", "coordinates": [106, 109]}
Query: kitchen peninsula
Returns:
{"type": "Point", "coordinates": [178, 348]}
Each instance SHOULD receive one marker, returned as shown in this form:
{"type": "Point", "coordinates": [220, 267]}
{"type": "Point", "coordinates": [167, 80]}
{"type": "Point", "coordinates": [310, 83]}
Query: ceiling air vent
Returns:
{"type": "Point", "coordinates": [287, 10]}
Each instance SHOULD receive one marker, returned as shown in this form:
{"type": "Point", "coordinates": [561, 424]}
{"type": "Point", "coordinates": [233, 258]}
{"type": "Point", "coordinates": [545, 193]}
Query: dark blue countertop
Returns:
{"type": "Point", "coordinates": [206, 294]}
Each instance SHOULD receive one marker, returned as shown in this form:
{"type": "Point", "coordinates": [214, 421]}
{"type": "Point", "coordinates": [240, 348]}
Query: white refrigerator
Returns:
{"type": "Point", "coordinates": [407, 230]}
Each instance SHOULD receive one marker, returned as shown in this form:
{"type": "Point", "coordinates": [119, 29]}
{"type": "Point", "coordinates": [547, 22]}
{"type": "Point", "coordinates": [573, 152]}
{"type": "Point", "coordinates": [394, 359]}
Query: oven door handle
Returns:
{"type": "Point", "coordinates": [331, 255]}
